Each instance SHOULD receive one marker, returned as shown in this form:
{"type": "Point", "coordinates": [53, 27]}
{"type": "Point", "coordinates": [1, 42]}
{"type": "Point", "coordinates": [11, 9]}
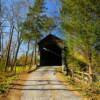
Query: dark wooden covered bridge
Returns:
{"type": "Point", "coordinates": [51, 50]}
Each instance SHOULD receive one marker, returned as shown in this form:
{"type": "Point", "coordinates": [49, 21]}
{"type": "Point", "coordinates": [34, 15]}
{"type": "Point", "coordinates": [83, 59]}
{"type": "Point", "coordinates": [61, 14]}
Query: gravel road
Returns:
{"type": "Point", "coordinates": [44, 85]}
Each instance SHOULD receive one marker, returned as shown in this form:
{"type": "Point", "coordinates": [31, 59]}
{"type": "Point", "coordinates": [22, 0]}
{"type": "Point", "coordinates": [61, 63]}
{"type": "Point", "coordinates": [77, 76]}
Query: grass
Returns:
{"type": "Point", "coordinates": [58, 69]}
{"type": "Point", "coordinates": [5, 81]}
{"type": "Point", "coordinates": [5, 85]}
{"type": "Point", "coordinates": [90, 91]}
{"type": "Point", "coordinates": [20, 69]}
{"type": "Point", "coordinates": [6, 78]}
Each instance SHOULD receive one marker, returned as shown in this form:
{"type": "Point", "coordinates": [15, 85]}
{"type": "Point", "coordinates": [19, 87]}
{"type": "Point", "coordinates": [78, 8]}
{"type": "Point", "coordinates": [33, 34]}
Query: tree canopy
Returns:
{"type": "Point", "coordinates": [81, 23]}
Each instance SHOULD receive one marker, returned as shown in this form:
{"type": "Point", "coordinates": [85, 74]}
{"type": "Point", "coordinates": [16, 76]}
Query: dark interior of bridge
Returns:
{"type": "Point", "coordinates": [50, 55]}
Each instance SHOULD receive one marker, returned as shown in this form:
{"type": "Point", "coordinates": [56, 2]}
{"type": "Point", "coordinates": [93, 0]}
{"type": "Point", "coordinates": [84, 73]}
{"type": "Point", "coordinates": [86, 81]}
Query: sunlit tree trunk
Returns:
{"type": "Point", "coordinates": [16, 55]}
{"type": "Point", "coordinates": [27, 52]}
{"type": "Point", "coordinates": [31, 62]}
{"type": "Point", "coordinates": [0, 30]}
{"type": "Point", "coordinates": [35, 54]}
{"type": "Point", "coordinates": [9, 47]}
{"type": "Point", "coordinates": [90, 66]}
{"type": "Point", "coordinates": [17, 50]}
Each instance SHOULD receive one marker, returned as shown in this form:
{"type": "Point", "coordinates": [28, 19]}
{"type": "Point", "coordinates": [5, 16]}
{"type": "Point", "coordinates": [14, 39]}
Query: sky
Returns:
{"type": "Point", "coordinates": [53, 10]}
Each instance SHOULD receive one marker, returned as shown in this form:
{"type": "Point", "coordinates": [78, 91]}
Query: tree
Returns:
{"type": "Point", "coordinates": [10, 19]}
{"type": "Point", "coordinates": [18, 18]}
{"type": "Point", "coordinates": [14, 17]}
{"type": "Point", "coordinates": [80, 21]}
{"type": "Point", "coordinates": [2, 26]}
{"type": "Point", "coordinates": [36, 23]}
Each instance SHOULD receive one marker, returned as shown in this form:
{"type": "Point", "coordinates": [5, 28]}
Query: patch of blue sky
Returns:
{"type": "Point", "coordinates": [53, 7]}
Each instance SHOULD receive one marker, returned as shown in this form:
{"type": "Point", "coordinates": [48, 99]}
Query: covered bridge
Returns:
{"type": "Point", "coordinates": [51, 51]}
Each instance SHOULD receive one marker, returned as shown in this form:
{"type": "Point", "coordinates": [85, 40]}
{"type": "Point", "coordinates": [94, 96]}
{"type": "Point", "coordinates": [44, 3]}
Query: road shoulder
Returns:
{"type": "Point", "coordinates": [60, 76]}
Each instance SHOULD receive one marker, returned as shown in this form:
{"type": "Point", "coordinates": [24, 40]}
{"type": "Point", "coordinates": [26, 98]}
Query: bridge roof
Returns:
{"type": "Point", "coordinates": [50, 39]}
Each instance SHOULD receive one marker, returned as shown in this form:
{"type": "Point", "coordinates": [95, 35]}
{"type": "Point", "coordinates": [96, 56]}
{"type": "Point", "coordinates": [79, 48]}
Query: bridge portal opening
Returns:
{"type": "Point", "coordinates": [50, 49]}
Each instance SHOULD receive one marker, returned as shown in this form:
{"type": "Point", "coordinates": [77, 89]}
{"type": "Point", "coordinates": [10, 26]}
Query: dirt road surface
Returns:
{"type": "Point", "coordinates": [42, 84]}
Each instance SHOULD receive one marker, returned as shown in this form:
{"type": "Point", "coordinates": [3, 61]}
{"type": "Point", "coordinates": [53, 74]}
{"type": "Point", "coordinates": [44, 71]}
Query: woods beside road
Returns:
{"type": "Point", "coordinates": [23, 23]}
{"type": "Point", "coordinates": [49, 83]}
{"type": "Point", "coordinates": [42, 84]}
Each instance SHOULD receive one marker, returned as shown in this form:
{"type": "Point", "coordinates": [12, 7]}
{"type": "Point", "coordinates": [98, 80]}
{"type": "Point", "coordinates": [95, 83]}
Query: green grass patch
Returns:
{"type": "Point", "coordinates": [58, 69]}
{"type": "Point", "coordinates": [5, 81]}
{"type": "Point", "coordinates": [6, 78]}
{"type": "Point", "coordinates": [20, 69]}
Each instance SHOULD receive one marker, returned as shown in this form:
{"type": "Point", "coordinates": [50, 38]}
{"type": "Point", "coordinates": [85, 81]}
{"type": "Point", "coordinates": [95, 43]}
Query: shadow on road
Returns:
{"type": "Point", "coordinates": [37, 83]}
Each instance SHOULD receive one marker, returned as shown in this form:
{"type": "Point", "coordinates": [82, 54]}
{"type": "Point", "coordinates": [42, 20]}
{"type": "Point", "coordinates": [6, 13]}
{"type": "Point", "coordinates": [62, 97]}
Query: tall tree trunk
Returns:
{"type": "Point", "coordinates": [90, 66]}
{"type": "Point", "coordinates": [31, 63]}
{"type": "Point", "coordinates": [0, 41]}
{"type": "Point", "coordinates": [17, 50]}
{"type": "Point", "coordinates": [35, 55]}
{"type": "Point", "coordinates": [27, 52]}
{"type": "Point", "coordinates": [8, 48]}
{"type": "Point", "coordinates": [2, 46]}
{"type": "Point", "coordinates": [16, 55]}
{"type": "Point", "coordinates": [13, 56]}
{"type": "Point", "coordinates": [89, 57]}
{"type": "Point", "coordinates": [0, 30]}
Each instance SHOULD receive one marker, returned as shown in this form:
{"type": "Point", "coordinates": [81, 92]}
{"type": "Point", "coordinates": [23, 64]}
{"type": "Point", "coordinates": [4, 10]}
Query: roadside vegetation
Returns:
{"type": "Point", "coordinates": [79, 20]}
{"type": "Point", "coordinates": [20, 29]}
{"type": "Point", "coordinates": [6, 78]}
{"type": "Point", "coordinates": [83, 88]}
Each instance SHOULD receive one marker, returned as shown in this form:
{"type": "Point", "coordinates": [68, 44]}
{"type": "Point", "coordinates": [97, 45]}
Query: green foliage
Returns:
{"type": "Point", "coordinates": [6, 78]}
{"type": "Point", "coordinates": [2, 64]}
{"type": "Point", "coordinates": [21, 60]}
{"type": "Point", "coordinates": [37, 8]}
{"type": "Point", "coordinates": [36, 22]}
{"type": "Point", "coordinates": [76, 64]}
{"type": "Point", "coordinates": [6, 81]}
{"type": "Point", "coordinates": [89, 91]}
{"type": "Point", "coordinates": [80, 21]}
{"type": "Point", "coordinates": [35, 25]}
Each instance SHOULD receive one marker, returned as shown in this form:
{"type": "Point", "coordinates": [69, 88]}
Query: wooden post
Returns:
{"type": "Point", "coordinates": [62, 60]}
{"type": "Point", "coordinates": [64, 64]}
